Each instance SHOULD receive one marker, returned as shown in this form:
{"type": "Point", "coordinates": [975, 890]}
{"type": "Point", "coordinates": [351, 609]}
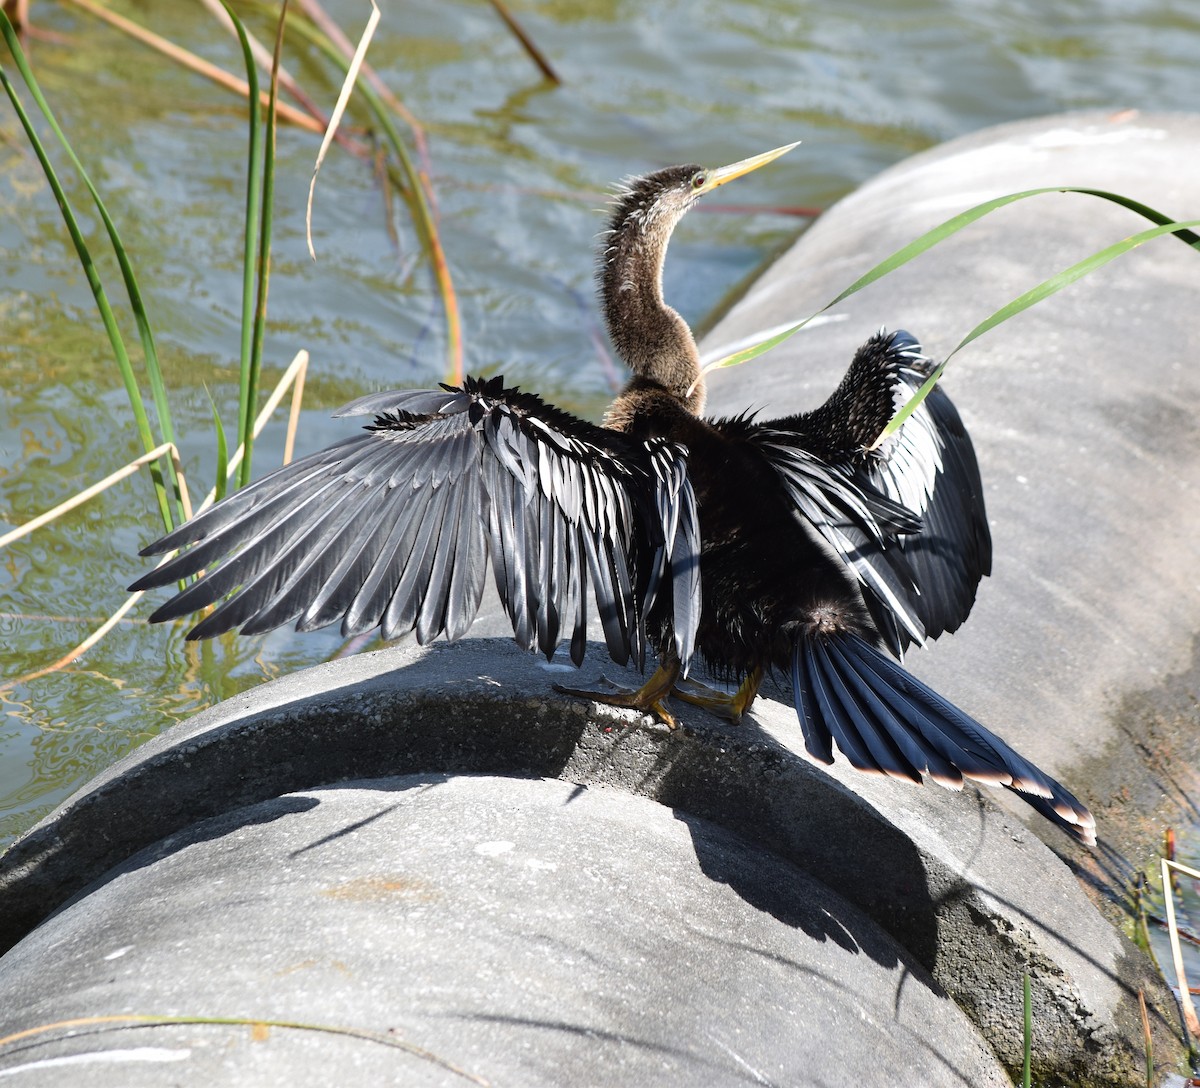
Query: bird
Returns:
{"type": "Point", "coordinates": [804, 547]}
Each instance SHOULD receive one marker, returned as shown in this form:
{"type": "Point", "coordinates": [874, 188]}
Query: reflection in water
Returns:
{"type": "Point", "coordinates": [517, 166]}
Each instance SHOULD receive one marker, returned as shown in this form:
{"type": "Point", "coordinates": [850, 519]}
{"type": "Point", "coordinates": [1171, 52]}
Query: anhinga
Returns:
{"type": "Point", "coordinates": [797, 545]}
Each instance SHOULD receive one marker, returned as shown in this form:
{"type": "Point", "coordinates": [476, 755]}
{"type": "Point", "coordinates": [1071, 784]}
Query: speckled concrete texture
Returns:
{"type": "Point", "coordinates": [525, 932]}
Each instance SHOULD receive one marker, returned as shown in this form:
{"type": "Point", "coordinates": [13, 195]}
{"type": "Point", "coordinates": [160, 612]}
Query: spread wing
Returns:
{"type": "Point", "coordinates": [913, 531]}
{"type": "Point", "coordinates": [396, 527]}
{"type": "Point", "coordinates": [929, 466]}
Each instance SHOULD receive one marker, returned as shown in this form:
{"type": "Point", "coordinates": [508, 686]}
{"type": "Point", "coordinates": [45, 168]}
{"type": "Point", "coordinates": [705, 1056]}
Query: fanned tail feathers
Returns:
{"type": "Point", "coordinates": [886, 721]}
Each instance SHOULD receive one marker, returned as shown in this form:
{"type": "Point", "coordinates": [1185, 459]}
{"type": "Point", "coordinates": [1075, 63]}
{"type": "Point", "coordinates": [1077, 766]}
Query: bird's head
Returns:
{"type": "Point", "coordinates": [650, 337]}
{"type": "Point", "coordinates": [652, 205]}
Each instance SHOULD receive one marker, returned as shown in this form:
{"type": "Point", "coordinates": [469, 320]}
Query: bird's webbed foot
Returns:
{"type": "Point", "coordinates": [721, 703]}
{"type": "Point", "coordinates": [650, 698]}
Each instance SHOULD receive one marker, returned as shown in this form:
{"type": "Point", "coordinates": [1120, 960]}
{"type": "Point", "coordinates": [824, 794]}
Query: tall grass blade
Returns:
{"type": "Point", "coordinates": [1147, 1039]}
{"type": "Point", "coordinates": [294, 374]}
{"type": "Point", "coordinates": [1030, 298]}
{"type": "Point", "coordinates": [1185, 996]}
{"type": "Point", "coordinates": [222, 480]}
{"type": "Point", "coordinates": [939, 234]}
{"type": "Point", "coordinates": [334, 34]}
{"type": "Point", "coordinates": [107, 316]}
{"type": "Point", "coordinates": [1169, 854]}
{"type": "Point", "coordinates": [1027, 1064]}
{"type": "Point", "coordinates": [266, 204]}
{"type": "Point", "coordinates": [1069, 275]}
{"type": "Point", "coordinates": [251, 229]}
{"type": "Point", "coordinates": [293, 424]}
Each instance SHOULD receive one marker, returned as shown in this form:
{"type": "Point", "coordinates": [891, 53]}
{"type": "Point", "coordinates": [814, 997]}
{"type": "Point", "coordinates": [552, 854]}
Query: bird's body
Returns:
{"type": "Point", "coordinates": [764, 577]}
{"type": "Point", "coordinates": [770, 573]}
{"type": "Point", "coordinates": [799, 545]}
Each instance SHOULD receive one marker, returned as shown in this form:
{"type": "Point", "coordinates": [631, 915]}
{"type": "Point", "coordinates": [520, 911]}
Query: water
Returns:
{"type": "Point", "coordinates": [519, 167]}
{"type": "Point", "coordinates": [1185, 896]}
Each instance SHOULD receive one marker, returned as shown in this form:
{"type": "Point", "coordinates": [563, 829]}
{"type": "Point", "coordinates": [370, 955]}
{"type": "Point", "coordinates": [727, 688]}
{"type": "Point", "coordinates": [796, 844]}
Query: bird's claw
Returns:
{"type": "Point", "coordinates": [728, 705]}
{"type": "Point", "coordinates": [649, 698]}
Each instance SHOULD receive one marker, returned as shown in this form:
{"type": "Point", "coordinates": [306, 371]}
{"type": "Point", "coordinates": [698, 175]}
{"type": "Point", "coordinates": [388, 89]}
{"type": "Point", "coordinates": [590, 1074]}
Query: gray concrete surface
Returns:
{"type": "Point", "coordinates": [968, 892]}
{"type": "Point", "coordinates": [556, 935]}
{"type": "Point", "coordinates": [1081, 652]}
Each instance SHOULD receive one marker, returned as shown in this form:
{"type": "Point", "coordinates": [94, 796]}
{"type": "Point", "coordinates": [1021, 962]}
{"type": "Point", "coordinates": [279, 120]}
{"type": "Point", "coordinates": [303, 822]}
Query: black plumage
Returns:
{"type": "Point", "coordinates": [799, 545]}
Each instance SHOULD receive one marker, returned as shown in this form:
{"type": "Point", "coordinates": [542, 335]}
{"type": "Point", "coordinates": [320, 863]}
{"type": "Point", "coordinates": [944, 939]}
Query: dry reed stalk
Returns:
{"type": "Point", "coordinates": [196, 64]}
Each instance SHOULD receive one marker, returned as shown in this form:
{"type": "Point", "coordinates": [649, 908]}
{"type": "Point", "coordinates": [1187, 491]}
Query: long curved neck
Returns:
{"type": "Point", "coordinates": [649, 336]}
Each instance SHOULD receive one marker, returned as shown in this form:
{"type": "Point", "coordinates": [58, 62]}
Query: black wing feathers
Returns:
{"type": "Point", "coordinates": [929, 466]}
{"type": "Point", "coordinates": [907, 518]}
{"type": "Point", "coordinates": [953, 550]}
{"type": "Point", "coordinates": [855, 520]}
{"type": "Point", "coordinates": [396, 527]}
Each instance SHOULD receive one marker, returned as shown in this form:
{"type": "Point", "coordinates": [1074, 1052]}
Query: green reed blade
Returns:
{"type": "Point", "coordinates": [135, 297]}
{"type": "Point", "coordinates": [222, 449]}
{"type": "Point", "coordinates": [1077, 271]}
{"type": "Point", "coordinates": [1035, 295]}
{"type": "Point", "coordinates": [251, 232]}
{"type": "Point", "coordinates": [939, 234]}
{"type": "Point", "coordinates": [1026, 1067]}
{"type": "Point", "coordinates": [266, 204]}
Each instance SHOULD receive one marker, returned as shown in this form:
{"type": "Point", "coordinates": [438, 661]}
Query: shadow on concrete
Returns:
{"type": "Point", "coordinates": [763, 888]}
{"type": "Point", "coordinates": [311, 741]}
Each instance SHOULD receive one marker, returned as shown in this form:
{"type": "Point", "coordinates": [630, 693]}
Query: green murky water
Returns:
{"type": "Point", "coordinates": [519, 167]}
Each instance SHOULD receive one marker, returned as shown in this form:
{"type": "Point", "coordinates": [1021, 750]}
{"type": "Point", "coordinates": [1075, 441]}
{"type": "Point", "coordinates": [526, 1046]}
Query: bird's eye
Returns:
{"type": "Point", "coordinates": [698, 180]}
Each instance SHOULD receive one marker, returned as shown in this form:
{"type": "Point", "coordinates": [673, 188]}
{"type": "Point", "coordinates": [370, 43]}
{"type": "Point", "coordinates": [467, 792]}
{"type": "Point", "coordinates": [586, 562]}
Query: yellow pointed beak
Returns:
{"type": "Point", "coordinates": [723, 174]}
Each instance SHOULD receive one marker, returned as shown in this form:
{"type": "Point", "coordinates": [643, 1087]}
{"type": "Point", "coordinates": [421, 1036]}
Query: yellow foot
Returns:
{"type": "Point", "coordinates": [722, 703]}
{"type": "Point", "coordinates": [649, 698]}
